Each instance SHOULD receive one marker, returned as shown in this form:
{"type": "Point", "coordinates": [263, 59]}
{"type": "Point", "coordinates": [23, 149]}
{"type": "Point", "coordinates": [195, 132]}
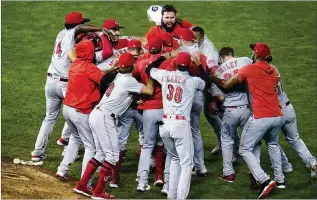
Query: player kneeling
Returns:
{"type": "Point", "coordinates": [103, 122]}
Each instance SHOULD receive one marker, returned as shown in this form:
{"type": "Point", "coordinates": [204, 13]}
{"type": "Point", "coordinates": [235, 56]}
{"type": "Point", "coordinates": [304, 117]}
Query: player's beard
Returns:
{"type": "Point", "coordinates": [168, 29]}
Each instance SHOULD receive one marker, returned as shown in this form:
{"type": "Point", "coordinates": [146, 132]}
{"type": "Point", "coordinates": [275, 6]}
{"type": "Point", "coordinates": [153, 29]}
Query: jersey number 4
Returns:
{"type": "Point", "coordinates": [177, 95]}
{"type": "Point", "coordinates": [58, 50]}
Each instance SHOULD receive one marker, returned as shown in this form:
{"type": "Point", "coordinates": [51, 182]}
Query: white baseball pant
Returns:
{"type": "Point", "coordinates": [177, 138]}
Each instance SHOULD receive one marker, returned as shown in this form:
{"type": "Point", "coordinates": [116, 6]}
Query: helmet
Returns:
{"type": "Point", "coordinates": [154, 14]}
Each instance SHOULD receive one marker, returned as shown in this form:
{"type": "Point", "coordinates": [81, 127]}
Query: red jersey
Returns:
{"type": "Point", "coordinates": [83, 83]}
{"type": "Point", "coordinates": [158, 30]}
{"type": "Point", "coordinates": [149, 102]}
{"type": "Point", "coordinates": [262, 80]}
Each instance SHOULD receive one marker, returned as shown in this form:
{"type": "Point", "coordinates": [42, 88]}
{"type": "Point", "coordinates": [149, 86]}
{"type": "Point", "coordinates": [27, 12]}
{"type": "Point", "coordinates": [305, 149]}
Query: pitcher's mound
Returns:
{"type": "Point", "coordinates": [32, 182]}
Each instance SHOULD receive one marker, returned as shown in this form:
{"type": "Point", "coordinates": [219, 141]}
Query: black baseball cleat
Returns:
{"type": "Point", "coordinates": [266, 188]}
{"type": "Point", "coordinates": [281, 185]}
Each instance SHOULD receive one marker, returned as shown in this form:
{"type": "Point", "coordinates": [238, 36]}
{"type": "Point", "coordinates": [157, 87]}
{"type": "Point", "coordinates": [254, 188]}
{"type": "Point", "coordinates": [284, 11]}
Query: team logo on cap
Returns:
{"type": "Point", "coordinates": [154, 8]}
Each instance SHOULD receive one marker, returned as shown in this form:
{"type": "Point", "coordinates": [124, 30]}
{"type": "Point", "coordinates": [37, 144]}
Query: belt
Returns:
{"type": "Point", "coordinates": [60, 79]}
{"type": "Point", "coordinates": [236, 107]}
{"type": "Point", "coordinates": [176, 117]}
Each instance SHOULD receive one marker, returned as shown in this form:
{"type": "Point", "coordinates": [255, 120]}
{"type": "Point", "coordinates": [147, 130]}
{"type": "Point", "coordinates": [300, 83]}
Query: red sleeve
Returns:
{"type": "Point", "coordinates": [243, 73]}
{"type": "Point", "coordinates": [186, 24]}
{"type": "Point", "coordinates": [94, 73]}
{"type": "Point", "coordinates": [106, 47]}
{"type": "Point", "coordinates": [151, 32]}
{"type": "Point", "coordinates": [203, 61]}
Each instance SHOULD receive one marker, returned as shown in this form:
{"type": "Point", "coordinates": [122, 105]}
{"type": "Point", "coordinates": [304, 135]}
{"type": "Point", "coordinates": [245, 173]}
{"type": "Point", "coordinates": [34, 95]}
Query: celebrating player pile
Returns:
{"type": "Point", "coordinates": [162, 82]}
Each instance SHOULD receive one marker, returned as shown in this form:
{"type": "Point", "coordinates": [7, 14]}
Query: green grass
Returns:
{"type": "Point", "coordinates": [28, 34]}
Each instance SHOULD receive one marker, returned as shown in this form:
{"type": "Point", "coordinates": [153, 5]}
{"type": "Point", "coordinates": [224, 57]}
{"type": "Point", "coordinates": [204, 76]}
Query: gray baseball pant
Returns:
{"type": "Point", "coordinates": [232, 118]}
{"type": "Point", "coordinates": [125, 123]}
{"type": "Point", "coordinates": [151, 135]}
{"type": "Point", "coordinates": [289, 129]}
{"type": "Point", "coordinates": [197, 140]}
{"type": "Point", "coordinates": [55, 91]}
{"type": "Point", "coordinates": [80, 129]}
{"type": "Point", "coordinates": [254, 130]}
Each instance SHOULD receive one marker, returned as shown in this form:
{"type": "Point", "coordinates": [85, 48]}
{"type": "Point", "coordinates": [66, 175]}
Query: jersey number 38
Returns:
{"type": "Point", "coordinates": [175, 94]}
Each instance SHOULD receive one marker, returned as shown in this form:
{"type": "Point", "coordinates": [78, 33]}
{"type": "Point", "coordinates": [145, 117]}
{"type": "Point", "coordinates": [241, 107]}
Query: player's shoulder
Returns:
{"type": "Point", "coordinates": [122, 43]}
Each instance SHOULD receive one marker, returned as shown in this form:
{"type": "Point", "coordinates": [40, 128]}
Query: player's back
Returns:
{"type": "Point", "coordinates": [119, 94]}
{"type": "Point", "coordinates": [65, 42]}
{"type": "Point", "coordinates": [178, 90]}
{"type": "Point", "coordinates": [227, 70]}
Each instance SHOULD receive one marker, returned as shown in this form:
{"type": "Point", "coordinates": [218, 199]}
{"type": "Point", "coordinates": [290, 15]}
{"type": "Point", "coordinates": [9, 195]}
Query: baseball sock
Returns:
{"type": "Point", "coordinates": [92, 166]}
{"type": "Point", "coordinates": [116, 171]}
{"type": "Point", "coordinates": [159, 162]}
{"type": "Point", "coordinates": [104, 176]}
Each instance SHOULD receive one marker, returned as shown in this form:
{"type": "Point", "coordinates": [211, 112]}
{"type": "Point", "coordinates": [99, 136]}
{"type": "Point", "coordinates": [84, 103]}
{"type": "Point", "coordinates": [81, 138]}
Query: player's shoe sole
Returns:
{"type": "Point", "coordinates": [267, 189]}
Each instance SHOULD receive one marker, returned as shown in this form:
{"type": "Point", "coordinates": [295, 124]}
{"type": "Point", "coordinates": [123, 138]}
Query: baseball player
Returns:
{"type": "Point", "coordinates": [168, 25]}
{"type": "Point", "coordinates": [178, 90]}
{"type": "Point", "coordinates": [81, 97]}
{"type": "Point", "coordinates": [209, 50]}
{"type": "Point", "coordinates": [57, 78]}
{"type": "Point", "coordinates": [289, 128]}
{"type": "Point", "coordinates": [236, 109]}
{"type": "Point", "coordinates": [186, 40]}
{"type": "Point", "coordinates": [261, 79]}
{"type": "Point", "coordinates": [152, 108]}
{"type": "Point", "coordinates": [154, 14]}
{"type": "Point", "coordinates": [126, 120]}
{"type": "Point", "coordinates": [103, 122]}
{"type": "Point", "coordinates": [119, 43]}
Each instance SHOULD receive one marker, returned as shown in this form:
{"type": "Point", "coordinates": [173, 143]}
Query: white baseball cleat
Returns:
{"type": "Point", "coordinates": [143, 187]}
{"type": "Point", "coordinates": [113, 185]}
{"type": "Point", "coordinates": [165, 189]}
{"type": "Point", "coordinates": [63, 176]}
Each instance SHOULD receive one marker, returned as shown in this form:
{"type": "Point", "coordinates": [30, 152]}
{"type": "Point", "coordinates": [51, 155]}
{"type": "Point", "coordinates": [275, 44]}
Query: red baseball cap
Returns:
{"type": "Point", "coordinates": [261, 49]}
{"type": "Point", "coordinates": [111, 24]}
{"type": "Point", "coordinates": [126, 60]}
{"type": "Point", "coordinates": [167, 39]}
{"type": "Point", "coordinates": [183, 59]}
{"type": "Point", "coordinates": [75, 18]}
{"type": "Point", "coordinates": [154, 42]}
{"type": "Point", "coordinates": [186, 34]}
{"type": "Point", "coordinates": [134, 44]}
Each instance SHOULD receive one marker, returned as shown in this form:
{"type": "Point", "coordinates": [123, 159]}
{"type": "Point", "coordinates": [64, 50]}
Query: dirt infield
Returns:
{"type": "Point", "coordinates": [32, 182]}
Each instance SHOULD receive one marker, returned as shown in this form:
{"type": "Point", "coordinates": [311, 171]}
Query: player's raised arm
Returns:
{"type": "Point", "coordinates": [85, 28]}
{"type": "Point", "coordinates": [202, 73]}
